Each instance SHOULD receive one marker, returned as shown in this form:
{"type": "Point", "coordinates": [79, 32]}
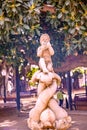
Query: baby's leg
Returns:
{"type": "Point", "coordinates": [42, 65]}
{"type": "Point", "coordinates": [50, 67]}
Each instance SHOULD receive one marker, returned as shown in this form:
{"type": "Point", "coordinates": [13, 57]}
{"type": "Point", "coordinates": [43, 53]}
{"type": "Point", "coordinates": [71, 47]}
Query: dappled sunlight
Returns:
{"type": "Point", "coordinates": [7, 123]}
{"type": "Point", "coordinates": [76, 125]}
{"type": "Point", "coordinates": [75, 128]}
{"type": "Point", "coordinates": [73, 122]}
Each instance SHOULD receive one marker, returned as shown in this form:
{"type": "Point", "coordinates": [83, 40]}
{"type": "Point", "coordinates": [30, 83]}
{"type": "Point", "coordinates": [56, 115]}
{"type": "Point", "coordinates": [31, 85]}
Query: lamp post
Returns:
{"type": "Point", "coordinates": [17, 90]}
{"type": "Point", "coordinates": [4, 74]}
{"type": "Point", "coordinates": [85, 80]}
{"type": "Point", "coordinates": [69, 88]}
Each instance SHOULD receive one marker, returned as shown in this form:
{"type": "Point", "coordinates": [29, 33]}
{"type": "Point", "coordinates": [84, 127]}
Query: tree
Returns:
{"type": "Point", "coordinates": [73, 16]}
{"type": "Point", "coordinates": [22, 22]}
{"type": "Point", "coordinates": [65, 21]}
{"type": "Point", "coordinates": [19, 16]}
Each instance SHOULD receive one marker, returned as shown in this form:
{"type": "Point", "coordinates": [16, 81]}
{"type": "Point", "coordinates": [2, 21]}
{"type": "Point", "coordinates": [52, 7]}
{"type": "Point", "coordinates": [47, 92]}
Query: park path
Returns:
{"type": "Point", "coordinates": [10, 119]}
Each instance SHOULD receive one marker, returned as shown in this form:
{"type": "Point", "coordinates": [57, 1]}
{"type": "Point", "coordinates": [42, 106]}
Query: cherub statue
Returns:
{"type": "Point", "coordinates": [45, 51]}
{"type": "Point", "coordinates": [46, 112]}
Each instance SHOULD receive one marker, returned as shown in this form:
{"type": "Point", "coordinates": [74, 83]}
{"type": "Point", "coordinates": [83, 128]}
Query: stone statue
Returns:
{"type": "Point", "coordinates": [45, 51]}
{"type": "Point", "coordinates": [47, 114]}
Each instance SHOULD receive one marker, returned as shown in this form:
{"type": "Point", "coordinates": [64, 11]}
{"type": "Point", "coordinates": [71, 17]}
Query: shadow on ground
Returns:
{"type": "Point", "coordinates": [10, 119]}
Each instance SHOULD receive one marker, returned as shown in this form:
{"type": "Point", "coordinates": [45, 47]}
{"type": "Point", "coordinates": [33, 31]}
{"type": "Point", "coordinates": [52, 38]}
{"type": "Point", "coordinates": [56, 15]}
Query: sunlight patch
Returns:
{"type": "Point", "coordinates": [7, 123]}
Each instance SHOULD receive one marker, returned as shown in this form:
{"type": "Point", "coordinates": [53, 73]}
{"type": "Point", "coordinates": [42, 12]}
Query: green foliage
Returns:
{"type": "Point", "coordinates": [31, 72]}
{"type": "Point", "coordinates": [78, 71]}
{"type": "Point", "coordinates": [73, 16]}
{"type": "Point", "coordinates": [23, 20]}
{"type": "Point", "coordinates": [19, 16]}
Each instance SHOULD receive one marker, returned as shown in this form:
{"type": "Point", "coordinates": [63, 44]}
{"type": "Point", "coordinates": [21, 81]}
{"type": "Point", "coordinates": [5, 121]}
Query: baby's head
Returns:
{"type": "Point", "coordinates": [44, 39]}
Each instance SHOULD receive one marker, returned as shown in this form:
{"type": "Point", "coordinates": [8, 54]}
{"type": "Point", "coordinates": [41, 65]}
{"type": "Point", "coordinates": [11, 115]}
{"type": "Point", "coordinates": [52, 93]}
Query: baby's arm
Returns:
{"type": "Point", "coordinates": [41, 49]}
{"type": "Point", "coordinates": [50, 49]}
{"type": "Point", "coordinates": [39, 52]}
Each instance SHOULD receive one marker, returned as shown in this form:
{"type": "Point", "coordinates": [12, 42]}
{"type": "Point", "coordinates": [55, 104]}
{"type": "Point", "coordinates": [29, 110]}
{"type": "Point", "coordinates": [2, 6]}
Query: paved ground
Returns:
{"type": "Point", "coordinates": [11, 120]}
{"type": "Point", "coordinates": [79, 120]}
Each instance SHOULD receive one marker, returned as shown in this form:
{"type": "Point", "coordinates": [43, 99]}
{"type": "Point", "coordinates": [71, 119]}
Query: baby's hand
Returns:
{"type": "Point", "coordinates": [48, 45]}
{"type": "Point", "coordinates": [44, 47]}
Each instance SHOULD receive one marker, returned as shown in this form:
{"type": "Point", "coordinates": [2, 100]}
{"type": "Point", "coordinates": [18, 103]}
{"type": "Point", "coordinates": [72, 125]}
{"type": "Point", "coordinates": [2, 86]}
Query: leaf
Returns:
{"type": "Point", "coordinates": [17, 5]}
{"type": "Point", "coordinates": [7, 20]}
{"type": "Point", "coordinates": [1, 23]}
{"type": "Point", "coordinates": [86, 38]}
{"type": "Point", "coordinates": [52, 21]}
{"type": "Point", "coordinates": [67, 2]}
{"type": "Point", "coordinates": [38, 32]}
{"type": "Point", "coordinates": [21, 1]}
{"type": "Point", "coordinates": [26, 26]}
{"type": "Point", "coordinates": [0, 11]}
{"type": "Point", "coordinates": [59, 15]}
{"type": "Point", "coordinates": [72, 31]}
{"type": "Point", "coordinates": [83, 28]}
{"type": "Point", "coordinates": [83, 6]}
{"type": "Point", "coordinates": [37, 10]}
{"type": "Point", "coordinates": [80, 31]}
{"type": "Point", "coordinates": [14, 10]}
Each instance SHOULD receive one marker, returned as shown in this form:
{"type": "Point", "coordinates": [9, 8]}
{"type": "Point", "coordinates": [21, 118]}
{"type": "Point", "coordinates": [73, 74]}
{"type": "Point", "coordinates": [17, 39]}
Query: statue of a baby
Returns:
{"type": "Point", "coordinates": [45, 51]}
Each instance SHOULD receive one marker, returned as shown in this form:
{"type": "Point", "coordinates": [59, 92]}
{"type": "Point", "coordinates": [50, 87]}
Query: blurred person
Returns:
{"type": "Point", "coordinates": [60, 97]}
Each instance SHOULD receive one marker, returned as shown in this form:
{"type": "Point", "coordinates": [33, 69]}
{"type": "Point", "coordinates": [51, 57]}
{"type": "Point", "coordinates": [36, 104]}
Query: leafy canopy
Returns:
{"type": "Point", "coordinates": [66, 24]}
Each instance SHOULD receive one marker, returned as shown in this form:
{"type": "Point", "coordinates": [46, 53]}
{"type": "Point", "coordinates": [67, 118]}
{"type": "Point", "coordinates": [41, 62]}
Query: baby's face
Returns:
{"type": "Point", "coordinates": [44, 40]}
